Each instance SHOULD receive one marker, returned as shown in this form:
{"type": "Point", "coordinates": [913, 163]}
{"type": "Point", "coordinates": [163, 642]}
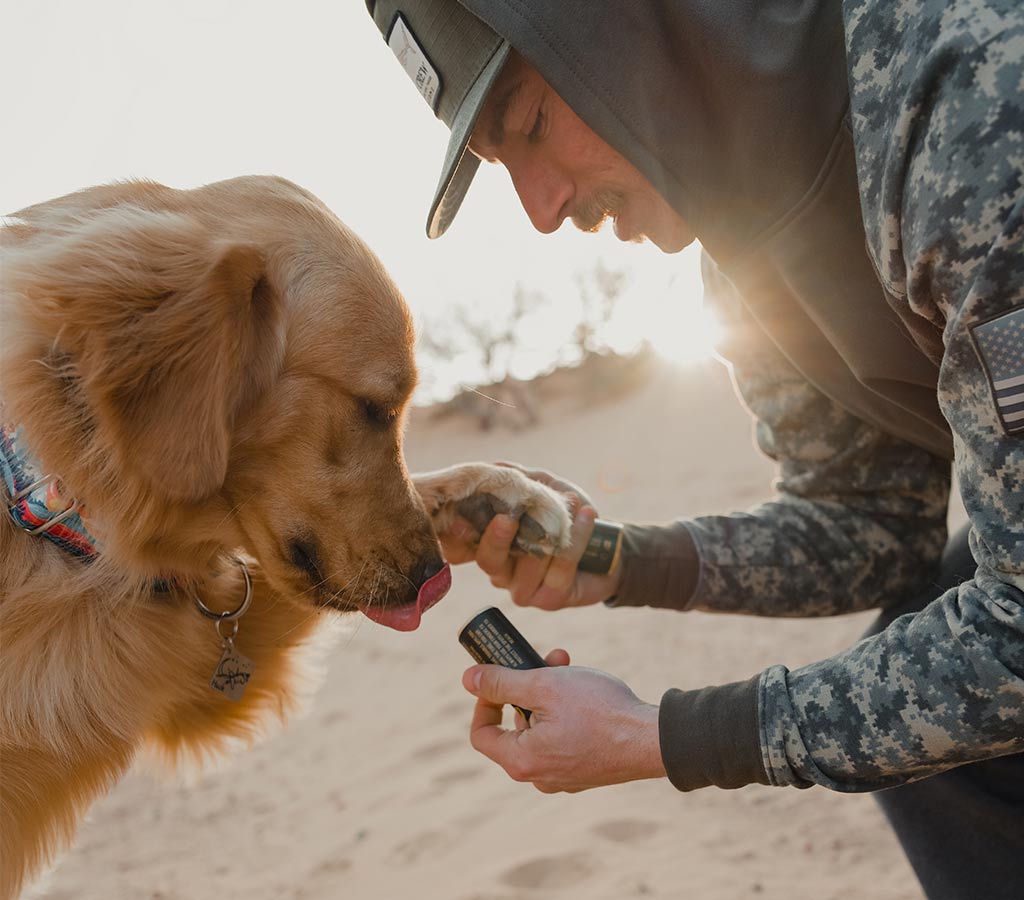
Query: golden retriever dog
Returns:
{"type": "Point", "coordinates": [202, 396]}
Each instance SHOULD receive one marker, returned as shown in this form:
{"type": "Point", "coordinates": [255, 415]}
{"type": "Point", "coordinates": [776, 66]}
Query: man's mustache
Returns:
{"type": "Point", "coordinates": [591, 212]}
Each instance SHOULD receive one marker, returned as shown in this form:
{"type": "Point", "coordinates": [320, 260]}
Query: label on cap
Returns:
{"type": "Point", "coordinates": [410, 54]}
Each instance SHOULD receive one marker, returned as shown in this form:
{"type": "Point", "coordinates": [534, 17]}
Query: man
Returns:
{"type": "Point", "coordinates": [853, 171]}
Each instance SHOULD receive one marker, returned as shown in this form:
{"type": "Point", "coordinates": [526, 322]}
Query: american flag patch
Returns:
{"type": "Point", "coordinates": [1000, 345]}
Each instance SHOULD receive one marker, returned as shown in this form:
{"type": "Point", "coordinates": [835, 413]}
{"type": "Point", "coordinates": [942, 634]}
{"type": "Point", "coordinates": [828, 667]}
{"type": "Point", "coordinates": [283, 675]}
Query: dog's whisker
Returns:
{"type": "Point", "coordinates": [316, 610]}
{"type": "Point", "coordinates": [374, 598]}
{"type": "Point", "coordinates": [315, 586]}
{"type": "Point", "coordinates": [473, 390]}
{"type": "Point", "coordinates": [234, 509]}
{"type": "Point", "coordinates": [333, 595]}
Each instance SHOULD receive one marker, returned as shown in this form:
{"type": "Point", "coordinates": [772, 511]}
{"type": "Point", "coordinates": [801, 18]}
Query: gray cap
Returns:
{"type": "Point", "coordinates": [453, 59]}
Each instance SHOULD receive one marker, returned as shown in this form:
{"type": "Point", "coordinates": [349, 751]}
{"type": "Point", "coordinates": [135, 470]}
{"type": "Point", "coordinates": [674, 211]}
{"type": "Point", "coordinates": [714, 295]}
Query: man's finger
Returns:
{"type": "Point", "coordinates": [486, 715]}
{"type": "Point", "coordinates": [498, 685]}
{"type": "Point", "coordinates": [557, 657]}
{"type": "Point", "coordinates": [492, 554]}
{"type": "Point", "coordinates": [527, 577]}
{"type": "Point", "coordinates": [496, 743]}
{"type": "Point", "coordinates": [561, 573]}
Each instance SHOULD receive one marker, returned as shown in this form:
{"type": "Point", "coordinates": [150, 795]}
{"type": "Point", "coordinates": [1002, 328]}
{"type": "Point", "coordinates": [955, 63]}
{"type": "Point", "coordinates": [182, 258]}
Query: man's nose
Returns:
{"type": "Point", "coordinates": [545, 195]}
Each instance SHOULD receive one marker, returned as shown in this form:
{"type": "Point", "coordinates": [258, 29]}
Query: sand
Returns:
{"type": "Point", "coordinates": [375, 793]}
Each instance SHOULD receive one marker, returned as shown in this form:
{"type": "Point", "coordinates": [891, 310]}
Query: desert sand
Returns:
{"type": "Point", "coordinates": [375, 793]}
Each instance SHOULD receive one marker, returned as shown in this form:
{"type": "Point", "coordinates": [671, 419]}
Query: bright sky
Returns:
{"type": "Point", "coordinates": [193, 91]}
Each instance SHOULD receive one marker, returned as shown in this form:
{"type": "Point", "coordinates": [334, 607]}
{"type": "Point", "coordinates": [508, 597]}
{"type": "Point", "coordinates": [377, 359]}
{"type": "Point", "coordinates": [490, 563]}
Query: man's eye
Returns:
{"type": "Point", "coordinates": [538, 126]}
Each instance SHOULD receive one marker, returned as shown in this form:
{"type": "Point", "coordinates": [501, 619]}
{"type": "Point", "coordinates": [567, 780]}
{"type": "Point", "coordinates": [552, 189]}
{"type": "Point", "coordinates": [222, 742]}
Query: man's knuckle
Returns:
{"type": "Point", "coordinates": [518, 771]}
{"type": "Point", "coordinates": [560, 575]}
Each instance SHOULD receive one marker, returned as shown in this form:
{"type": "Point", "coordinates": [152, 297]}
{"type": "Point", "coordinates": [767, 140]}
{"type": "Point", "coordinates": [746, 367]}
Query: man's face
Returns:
{"type": "Point", "coordinates": [561, 169]}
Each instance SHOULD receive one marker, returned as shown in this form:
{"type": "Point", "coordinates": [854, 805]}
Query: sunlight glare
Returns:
{"type": "Point", "coordinates": [665, 311]}
{"type": "Point", "coordinates": [683, 335]}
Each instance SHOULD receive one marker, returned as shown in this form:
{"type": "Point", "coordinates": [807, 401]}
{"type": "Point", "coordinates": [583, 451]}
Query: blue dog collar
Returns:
{"type": "Point", "coordinates": [36, 505]}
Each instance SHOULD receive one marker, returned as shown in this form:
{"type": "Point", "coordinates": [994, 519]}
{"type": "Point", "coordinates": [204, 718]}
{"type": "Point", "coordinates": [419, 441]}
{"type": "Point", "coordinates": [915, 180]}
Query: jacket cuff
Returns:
{"type": "Point", "coordinates": [712, 736]}
{"type": "Point", "coordinates": [660, 566]}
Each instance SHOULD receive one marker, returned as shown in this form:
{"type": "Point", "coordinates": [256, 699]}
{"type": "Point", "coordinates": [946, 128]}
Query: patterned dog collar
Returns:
{"type": "Point", "coordinates": [36, 504]}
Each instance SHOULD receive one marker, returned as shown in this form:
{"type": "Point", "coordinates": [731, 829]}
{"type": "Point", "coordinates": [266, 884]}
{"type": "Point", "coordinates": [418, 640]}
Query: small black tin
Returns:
{"type": "Point", "coordinates": [491, 638]}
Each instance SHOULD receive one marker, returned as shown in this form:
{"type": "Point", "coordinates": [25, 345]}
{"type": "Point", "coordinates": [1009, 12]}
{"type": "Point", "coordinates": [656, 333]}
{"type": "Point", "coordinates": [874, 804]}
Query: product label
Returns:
{"type": "Point", "coordinates": [410, 54]}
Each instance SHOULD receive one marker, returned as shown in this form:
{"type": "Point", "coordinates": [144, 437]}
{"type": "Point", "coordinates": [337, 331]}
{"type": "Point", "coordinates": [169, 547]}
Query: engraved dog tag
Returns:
{"type": "Point", "coordinates": [232, 674]}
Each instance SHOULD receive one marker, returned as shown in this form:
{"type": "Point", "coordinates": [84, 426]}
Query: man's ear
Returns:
{"type": "Point", "coordinates": [167, 332]}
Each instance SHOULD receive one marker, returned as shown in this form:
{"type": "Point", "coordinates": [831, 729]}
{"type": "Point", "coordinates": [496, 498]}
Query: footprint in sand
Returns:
{"type": "Point", "coordinates": [490, 897]}
{"type": "Point", "coordinates": [330, 867]}
{"type": "Point", "coordinates": [411, 850]}
{"type": "Point", "coordinates": [439, 748]}
{"type": "Point", "coordinates": [454, 709]}
{"type": "Point", "coordinates": [454, 776]}
{"type": "Point", "coordinates": [550, 872]}
{"type": "Point", "coordinates": [333, 717]}
{"type": "Point", "coordinates": [626, 831]}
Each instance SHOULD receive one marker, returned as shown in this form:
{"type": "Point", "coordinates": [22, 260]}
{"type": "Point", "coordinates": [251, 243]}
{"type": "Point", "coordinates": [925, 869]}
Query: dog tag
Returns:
{"type": "Point", "coordinates": [232, 674]}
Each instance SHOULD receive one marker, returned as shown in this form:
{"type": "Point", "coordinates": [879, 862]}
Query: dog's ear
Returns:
{"type": "Point", "coordinates": [175, 395]}
{"type": "Point", "coordinates": [167, 332]}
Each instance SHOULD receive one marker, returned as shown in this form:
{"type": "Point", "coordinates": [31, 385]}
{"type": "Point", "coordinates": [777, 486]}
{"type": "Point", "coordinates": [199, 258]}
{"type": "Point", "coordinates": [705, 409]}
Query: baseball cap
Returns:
{"type": "Point", "coordinates": [453, 59]}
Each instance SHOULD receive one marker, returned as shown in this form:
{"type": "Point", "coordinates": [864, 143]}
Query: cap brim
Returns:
{"type": "Point", "coordinates": [459, 166]}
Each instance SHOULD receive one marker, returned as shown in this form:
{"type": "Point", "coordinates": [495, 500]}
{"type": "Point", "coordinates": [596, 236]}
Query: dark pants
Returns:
{"type": "Point", "coordinates": [963, 830]}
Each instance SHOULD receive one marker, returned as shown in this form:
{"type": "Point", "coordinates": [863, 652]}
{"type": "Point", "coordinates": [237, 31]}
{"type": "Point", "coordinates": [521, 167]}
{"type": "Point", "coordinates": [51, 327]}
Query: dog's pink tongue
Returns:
{"type": "Point", "coordinates": [407, 618]}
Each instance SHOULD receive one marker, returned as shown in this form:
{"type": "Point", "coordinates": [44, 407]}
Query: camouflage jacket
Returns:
{"type": "Point", "coordinates": [936, 113]}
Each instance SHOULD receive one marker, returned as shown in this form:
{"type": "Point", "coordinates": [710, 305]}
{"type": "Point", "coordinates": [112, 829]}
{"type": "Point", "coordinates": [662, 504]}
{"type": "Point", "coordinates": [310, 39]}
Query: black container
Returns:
{"type": "Point", "coordinates": [491, 638]}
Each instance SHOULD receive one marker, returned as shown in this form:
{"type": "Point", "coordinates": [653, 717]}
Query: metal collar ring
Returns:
{"type": "Point", "coordinates": [230, 614]}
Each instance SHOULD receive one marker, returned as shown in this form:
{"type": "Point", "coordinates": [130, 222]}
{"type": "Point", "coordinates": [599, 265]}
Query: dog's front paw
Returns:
{"type": "Point", "coordinates": [478, 492]}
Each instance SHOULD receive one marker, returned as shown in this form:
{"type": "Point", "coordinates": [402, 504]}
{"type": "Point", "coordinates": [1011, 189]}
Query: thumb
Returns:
{"type": "Point", "coordinates": [498, 685]}
{"type": "Point", "coordinates": [557, 657]}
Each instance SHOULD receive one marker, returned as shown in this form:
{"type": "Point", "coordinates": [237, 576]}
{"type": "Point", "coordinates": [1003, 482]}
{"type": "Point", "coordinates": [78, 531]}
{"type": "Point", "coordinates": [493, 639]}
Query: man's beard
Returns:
{"type": "Point", "coordinates": [591, 212]}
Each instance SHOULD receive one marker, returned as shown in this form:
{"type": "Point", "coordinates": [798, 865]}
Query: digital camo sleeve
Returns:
{"type": "Point", "coordinates": [860, 517]}
{"type": "Point", "coordinates": [937, 116]}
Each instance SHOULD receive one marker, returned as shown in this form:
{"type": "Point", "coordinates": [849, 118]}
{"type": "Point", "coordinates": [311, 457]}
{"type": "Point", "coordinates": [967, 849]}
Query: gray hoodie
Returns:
{"type": "Point", "coordinates": [853, 171]}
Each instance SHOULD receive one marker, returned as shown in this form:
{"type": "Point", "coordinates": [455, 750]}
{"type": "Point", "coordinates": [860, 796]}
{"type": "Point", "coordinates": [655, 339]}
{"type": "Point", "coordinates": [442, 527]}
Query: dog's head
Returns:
{"type": "Point", "coordinates": [221, 367]}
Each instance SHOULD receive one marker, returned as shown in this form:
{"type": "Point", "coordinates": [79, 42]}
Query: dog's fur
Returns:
{"type": "Point", "coordinates": [209, 371]}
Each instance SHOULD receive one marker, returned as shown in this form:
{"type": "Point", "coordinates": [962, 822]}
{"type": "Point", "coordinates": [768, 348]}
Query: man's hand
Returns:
{"type": "Point", "coordinates": [587, 729]}
{"type": "Point", "coordinates": [549, 582]}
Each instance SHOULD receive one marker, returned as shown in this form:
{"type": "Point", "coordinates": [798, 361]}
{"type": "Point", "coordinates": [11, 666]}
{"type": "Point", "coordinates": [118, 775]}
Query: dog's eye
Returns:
{"type": "Point", "coordinates": [378, 415]}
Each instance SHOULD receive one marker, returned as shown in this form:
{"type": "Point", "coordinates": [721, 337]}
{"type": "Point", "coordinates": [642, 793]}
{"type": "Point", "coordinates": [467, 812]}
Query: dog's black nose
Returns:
{"type": "Point", "coordinates": [426, 569]}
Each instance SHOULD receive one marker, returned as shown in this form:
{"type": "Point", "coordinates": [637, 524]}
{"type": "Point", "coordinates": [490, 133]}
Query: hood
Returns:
{"type": "Point", "coordinates": [728, 107]}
